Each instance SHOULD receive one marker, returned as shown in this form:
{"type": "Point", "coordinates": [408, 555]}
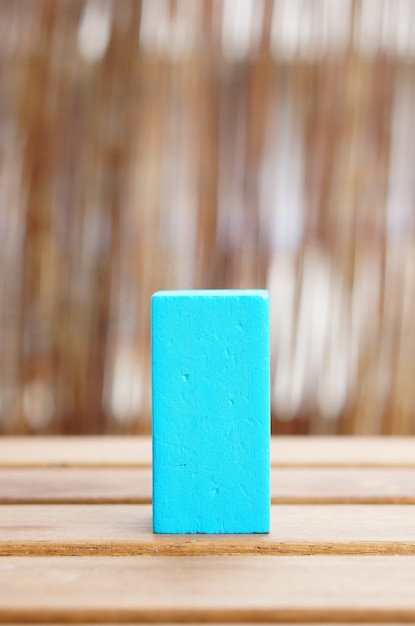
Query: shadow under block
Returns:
{"type": "Point", "coordinates": [211, 412]}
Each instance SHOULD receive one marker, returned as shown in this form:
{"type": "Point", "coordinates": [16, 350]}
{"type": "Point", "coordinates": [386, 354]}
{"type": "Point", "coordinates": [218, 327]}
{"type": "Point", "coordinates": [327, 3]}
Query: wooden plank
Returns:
{"type": "Point", "coordinates": [133, 485]}
{"type": "Point", "coordinates": [343, 451]}
{"type": "Point", "coordinates": [122, 530]}
{"type": "Point", "coordinates": [245, 589]}
{"type": "Point", "coordinates": [75, 485]}
{"type": "Point", "coordinates": [109, 452]}
{"type": "Point", "coordinates": [350, 485]}
{"type": "Point", "coordinates": [90, 451]}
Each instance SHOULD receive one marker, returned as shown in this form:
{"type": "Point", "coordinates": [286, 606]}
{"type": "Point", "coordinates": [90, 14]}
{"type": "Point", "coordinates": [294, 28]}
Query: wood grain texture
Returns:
{"type": "Point", "coordinates": [343, 452]}
{"type": "Point", "coordinates": [105, 530]}
{"type": "Point", "coordinates": [343, 485]}
{"type": "Point", "coordinates": [133, 485]}
{"type": "Point", "coordinates": [207, 589]}
{"type": "Point", "coordinates": [75, 485]}
{"type": "Point", "coordinates": [111, 452]}
{"type": "Point", "coordinates": [136, 452]}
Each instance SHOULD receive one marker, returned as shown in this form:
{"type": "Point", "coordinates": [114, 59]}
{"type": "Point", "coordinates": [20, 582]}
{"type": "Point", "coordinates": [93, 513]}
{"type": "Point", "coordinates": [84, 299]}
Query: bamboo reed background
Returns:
{"type": "Point", "coordinates": [207, 144]}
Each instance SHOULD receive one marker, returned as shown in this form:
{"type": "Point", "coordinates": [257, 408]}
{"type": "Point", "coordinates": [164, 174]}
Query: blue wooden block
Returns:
{"type": "Point", "coordinates": [211, 412]}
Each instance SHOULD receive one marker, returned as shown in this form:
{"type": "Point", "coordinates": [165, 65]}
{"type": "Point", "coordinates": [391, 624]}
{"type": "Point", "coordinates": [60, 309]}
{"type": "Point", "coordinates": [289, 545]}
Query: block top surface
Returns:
{"type": "Point", "coordinates": [212, 293]}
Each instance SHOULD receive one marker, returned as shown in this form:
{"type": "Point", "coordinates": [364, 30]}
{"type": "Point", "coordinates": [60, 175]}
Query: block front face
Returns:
{"type": "Point", "coordinates": [211, 412]}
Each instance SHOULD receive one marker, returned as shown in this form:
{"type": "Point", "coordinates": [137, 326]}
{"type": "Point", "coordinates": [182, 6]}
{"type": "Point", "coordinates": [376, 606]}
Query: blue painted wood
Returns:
{"type": "Point", "coordinates": [211, 411]}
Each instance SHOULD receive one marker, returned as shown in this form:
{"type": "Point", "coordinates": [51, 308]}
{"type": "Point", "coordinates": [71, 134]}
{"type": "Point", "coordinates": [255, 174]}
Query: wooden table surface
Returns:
{"type": "Point", "coordinates": [76, 543]}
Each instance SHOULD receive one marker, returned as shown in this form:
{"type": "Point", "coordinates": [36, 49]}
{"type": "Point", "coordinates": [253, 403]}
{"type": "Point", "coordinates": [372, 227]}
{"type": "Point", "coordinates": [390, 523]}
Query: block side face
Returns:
{"type": "Point", "coordinates": [211, 414]}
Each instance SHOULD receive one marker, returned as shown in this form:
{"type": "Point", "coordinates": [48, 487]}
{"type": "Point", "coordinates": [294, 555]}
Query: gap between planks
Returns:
{"type": "Point", "coordinates": [133, 485]}
{"type": "Point", "coordinates": [203, 589]}
{"type": "Point", "coordinates": [109, 451]}
{"type": "Point", "coordinates": [105, 530]}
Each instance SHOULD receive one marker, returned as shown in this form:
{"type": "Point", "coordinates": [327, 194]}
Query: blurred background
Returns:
{"type": "Point", "coordinates": [180, 144]}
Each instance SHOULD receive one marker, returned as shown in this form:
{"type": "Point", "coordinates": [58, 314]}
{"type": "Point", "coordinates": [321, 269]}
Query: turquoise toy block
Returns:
{"type": "Point", "coordinates": [211, 411]}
